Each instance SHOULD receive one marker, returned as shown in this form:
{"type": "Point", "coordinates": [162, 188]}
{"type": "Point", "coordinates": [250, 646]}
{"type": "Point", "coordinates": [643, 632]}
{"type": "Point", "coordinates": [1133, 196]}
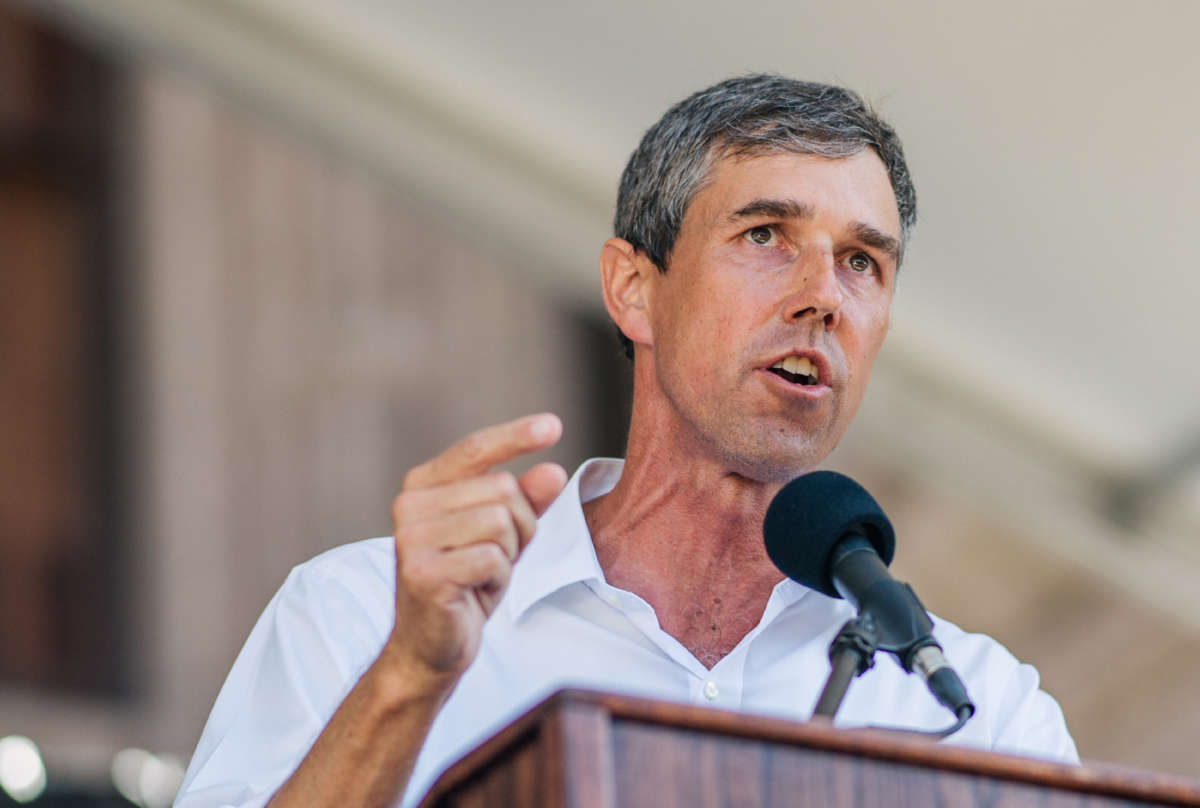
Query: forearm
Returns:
{"type": "Point", "coordinates": [366, 753]}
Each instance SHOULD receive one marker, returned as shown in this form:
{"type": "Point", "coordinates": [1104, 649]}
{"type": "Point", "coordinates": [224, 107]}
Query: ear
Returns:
{"type": "Point", "coordinates": [626, 281]}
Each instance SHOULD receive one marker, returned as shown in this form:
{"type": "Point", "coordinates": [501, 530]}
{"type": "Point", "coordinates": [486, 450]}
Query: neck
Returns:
{"type": "Point", "coordinates": [685, 534]}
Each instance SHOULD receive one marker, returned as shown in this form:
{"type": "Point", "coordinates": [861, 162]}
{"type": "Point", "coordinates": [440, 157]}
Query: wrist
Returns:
{"type": "Point", "coordinates": [399, 682]}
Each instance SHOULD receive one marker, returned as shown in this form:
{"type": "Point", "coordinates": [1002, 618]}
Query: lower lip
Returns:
{"type": "Point", "coordinates": [802, 392]}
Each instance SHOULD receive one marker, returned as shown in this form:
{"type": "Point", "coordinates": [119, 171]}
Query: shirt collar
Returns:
{"type": "Point", "coordinates": [561, 551]}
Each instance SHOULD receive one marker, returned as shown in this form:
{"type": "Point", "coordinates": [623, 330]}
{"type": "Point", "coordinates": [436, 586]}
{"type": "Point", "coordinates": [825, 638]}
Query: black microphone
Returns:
{"type": "Point", "coordinates": [826, 532]}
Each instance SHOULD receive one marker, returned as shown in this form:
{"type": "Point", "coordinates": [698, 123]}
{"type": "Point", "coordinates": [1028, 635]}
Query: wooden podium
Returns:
{"type": "Point", "coordinates": [580, 749]}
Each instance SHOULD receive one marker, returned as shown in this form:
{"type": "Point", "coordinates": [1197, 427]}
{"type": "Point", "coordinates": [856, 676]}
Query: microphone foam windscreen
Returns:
{"type": "Point", "coordinates": [810, 515]}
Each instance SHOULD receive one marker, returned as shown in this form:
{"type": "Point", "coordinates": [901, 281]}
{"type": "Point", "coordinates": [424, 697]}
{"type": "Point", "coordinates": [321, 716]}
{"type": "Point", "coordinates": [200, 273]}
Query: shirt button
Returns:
{"type": "Point", "coordinates": [711, 691]}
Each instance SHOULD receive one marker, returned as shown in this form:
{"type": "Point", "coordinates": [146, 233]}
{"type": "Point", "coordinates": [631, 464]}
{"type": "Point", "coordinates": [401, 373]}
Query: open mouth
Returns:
{"type": "Point", "coordinates": [797, 370]}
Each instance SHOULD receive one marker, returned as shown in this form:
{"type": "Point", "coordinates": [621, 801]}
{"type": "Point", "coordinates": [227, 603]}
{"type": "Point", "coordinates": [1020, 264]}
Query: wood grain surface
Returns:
{"type": "Point", "coordinates": [582, 749]}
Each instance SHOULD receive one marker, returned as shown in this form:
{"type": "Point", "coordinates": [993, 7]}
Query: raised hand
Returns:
{"type": "Point", "coordinates": [459, 526]}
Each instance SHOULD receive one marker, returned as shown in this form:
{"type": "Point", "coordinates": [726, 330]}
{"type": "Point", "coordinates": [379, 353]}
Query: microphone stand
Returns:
{"type": "Point", "coordinates": [852, 653]}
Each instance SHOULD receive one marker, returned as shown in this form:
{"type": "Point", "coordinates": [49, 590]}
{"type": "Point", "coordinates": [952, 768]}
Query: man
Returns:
{"type": "Point", "coordinates": [760, 228]}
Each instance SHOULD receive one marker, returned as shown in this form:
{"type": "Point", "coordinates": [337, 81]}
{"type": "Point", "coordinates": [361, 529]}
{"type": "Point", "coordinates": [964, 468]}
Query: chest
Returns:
{"type": "Point", "coordinates": [708, 629]}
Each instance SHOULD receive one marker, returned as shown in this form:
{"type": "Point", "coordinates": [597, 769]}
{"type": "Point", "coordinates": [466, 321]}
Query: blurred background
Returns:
{"type": "Point", "coordinates": [259, 257]}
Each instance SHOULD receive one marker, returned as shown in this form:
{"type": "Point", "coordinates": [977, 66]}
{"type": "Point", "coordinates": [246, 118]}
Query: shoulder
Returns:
{"type": "Point", "coordinates": [367, 559]}
{"type": "Point", "coordinates": [337, 605]}
{"type": "Point", "coordinates": [347, 589]}
{"type": "Point", "coordinates": [362, 571]}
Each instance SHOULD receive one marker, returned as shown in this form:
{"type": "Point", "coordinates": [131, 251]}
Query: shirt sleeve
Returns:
{"type": "Point", "coordinates": [1030, 722]}
{"type": "Point", "coordinates": [323, 628]}
{"type": "Point", "coordinates": [1015, 714]}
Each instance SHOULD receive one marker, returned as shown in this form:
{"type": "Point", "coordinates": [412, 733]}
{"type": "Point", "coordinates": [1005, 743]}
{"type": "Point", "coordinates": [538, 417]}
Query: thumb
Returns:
{"type": "Point", "coordinates": [541, 484]}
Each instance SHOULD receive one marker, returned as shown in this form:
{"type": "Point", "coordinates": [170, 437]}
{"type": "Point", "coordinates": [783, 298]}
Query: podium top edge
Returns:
{"type": "Point", "coordinates": [1090, 777]}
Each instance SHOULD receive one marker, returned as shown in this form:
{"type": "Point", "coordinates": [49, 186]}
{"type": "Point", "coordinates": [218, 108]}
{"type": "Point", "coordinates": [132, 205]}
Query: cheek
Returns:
{"type": "Point", "coordinates": [703, 314]}
{"type": "Point", "coordinates": [866, 347]}
{"type": "Point", "coordinates": [698, 342]}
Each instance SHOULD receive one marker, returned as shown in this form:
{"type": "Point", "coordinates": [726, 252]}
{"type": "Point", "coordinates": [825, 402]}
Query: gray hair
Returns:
{"type": "Point", "coordinates": [745, 116]}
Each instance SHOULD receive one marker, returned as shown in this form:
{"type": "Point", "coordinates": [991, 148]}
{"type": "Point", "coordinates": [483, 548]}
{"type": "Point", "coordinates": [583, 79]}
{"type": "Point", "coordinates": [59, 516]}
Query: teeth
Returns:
{"type": "Point", "coordinates": [798, 365]}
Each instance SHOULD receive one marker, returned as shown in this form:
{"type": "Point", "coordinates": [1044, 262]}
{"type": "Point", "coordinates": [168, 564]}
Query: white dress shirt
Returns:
{"type": "Point", "coordinates": [560, 624]}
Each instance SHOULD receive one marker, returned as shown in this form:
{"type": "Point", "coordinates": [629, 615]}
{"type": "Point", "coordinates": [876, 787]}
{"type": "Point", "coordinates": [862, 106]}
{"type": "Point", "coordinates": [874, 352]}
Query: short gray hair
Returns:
{"type": "Point", "coordinates": [744, 116]}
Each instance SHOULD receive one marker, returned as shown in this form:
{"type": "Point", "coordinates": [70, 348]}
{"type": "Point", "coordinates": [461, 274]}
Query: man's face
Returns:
{"type": "Point", "coordinates": [784, 262]}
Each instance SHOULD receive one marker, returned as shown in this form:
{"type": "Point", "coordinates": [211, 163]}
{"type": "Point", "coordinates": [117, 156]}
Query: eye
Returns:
{"type": "Point", "coordinates": [861, 262]}
{"type": "Point", "coordinates": [762, 235]}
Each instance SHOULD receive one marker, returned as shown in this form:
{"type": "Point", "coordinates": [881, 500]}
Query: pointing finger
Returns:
{"type": "Point", "coordinates": [480, 451]}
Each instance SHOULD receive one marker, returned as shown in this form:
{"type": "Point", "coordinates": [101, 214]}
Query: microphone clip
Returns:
{"type": "Point", "coordinates": [860, 638]}
{"type": "Point", "coordinates": [851, 654]}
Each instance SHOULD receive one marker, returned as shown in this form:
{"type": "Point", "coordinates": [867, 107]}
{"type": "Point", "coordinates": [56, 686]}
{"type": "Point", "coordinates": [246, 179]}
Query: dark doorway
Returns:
{"type": "Point", "coordinates": [60, 490]}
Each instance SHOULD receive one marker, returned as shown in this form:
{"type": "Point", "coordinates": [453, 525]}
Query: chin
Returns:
{"type": "Point", "coordinates": [776, 464]}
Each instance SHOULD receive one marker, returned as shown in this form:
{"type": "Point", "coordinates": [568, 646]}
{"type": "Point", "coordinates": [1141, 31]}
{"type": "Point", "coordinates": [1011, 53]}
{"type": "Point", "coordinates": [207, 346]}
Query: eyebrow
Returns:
{"type": "Point", "coordinates": [873, 237]}
{"type": "Point", "coordinates": [777, 208]}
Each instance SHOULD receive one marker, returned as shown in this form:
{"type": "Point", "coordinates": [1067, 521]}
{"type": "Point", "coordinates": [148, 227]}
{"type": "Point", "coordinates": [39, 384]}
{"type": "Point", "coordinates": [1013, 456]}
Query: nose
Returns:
{"type": "Point", "coordinates": [817, 294]}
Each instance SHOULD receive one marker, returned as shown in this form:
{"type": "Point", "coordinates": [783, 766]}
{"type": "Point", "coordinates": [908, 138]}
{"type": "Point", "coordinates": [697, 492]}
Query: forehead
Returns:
{"type": "Point", "coordinates": [852, 189]}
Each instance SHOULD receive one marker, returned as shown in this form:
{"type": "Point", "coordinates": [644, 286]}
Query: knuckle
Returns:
{"type": "Point", "coordinates": [473, 446]}
{"type": "Point", "coordinates": [506, 484]}
{"type": "Point", "coordinates": [497, 519]}
{"type": "Point", "coordinates": [411, 538]}
{"type": "Point", "coordinates": [414, 477]}
{"type": "Point", "coordinates": [523, 522]}
{"type": "Point", "coordinates": [401, 506]}
{"type": "Point", "coordinates": [494, 559]}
